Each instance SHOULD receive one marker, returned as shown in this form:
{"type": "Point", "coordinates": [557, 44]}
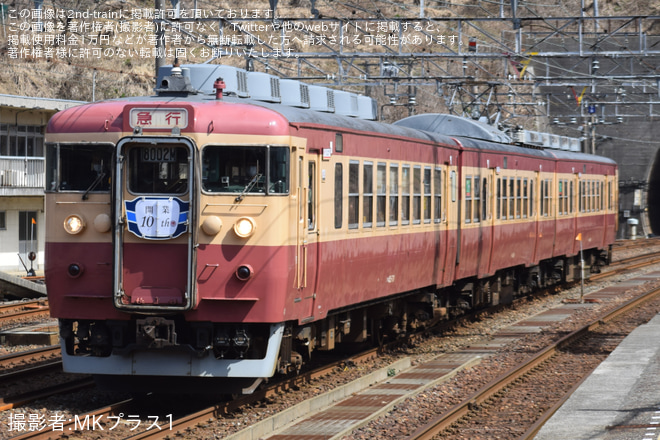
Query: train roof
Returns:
{"type": "Point", "coordinates": [420, 127]}
{"type": "Point", "coordinates": [468, 139]}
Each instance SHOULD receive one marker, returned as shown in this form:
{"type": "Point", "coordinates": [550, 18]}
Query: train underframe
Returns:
{"type": "Point", "coordinates": [239, 355]}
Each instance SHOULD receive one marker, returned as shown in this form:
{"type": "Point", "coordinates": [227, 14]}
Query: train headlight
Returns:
{"type": "Point", "coordinates": [244, 227]}
{"type": "Point", "coordinates": [102, 223]}
{"type": "Point", "coordinates": [74, 224]}
{"type": "Point", "coordinates": [212, 225]}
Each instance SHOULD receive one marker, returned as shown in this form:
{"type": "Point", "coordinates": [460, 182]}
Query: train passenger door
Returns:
{"type": "Point", "coordinates": [487, 228]}
{"type": "Point", "coordinates": [308, 243]}
{"type": "Point", "coordinates": [154, 207]}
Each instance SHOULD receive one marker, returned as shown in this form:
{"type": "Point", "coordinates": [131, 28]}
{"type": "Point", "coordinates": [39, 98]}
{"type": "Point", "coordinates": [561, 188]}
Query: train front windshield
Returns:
{"type": "Point", "coordinates": [79, 167]}
{"type": "Point", "coordinates": [236, 170]}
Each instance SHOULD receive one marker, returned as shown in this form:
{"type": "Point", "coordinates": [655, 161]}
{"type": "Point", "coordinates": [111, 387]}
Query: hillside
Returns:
{"type": "Point", "coordinates": [85, 50]}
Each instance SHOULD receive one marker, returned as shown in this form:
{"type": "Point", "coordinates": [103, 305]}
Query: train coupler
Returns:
{"type": "Point", "coordinates": [155, 332]}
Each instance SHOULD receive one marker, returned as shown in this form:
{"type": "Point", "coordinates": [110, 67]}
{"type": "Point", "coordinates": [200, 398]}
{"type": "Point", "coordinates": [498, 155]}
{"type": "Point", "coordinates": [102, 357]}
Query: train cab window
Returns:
{"type": "Point", "coordinates": [158, 169]}
{"type": "Point", "coordinates": [405, 195]}
{"type": "Point", "coordinates": [427, 194]}
{"type": "Point", "coordinates": [367, 194]}
{"type": "Point", "coordinates": [245, 169]}
{"type": "Point", "coordinates": [437, 194]}
{"type": "Point", "coordinates": [339, 195]}
{"type": "Point", "coordinates": [381, 194]}
{"type": "Point", "coordinates": [78, 167]}
{"type": "Point", "coordinates": [353, 194]}
{"type": "Point", "coordinates": [394, 195]}
{"type": "Point", "coordinates": [417, 195]}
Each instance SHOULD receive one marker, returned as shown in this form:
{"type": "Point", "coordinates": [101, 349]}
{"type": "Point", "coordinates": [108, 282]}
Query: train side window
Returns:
{"type": "Point", "coordinates": [394, 195]}
{"type": "Point", "coordinates": [512, 196]}
{"type": "Point", "coordinates": [78, 167]}
{"type": "Point", "coordinates": [518, 197]}
{"type": "Point", "coordinates": [476, 202]}
{"type": "Point", "coordinates": [381, 194]}
{"type": "Point", "coordinates": [367, 194]}
{"type": "Point", "coordinates": [505, 199]}
{"type": "Point", "coordinates": [339, 143]}
{"type": "Point", "coordinates": [405, 194]}
{"type": "Point", "coordinates": [541, 199]}
{"type": "Point", "coordinates": [339, 195]}
{"type": "Point", "coordinates": [532, 211]}
{"type": "Point", "coordinates": [525, 198]}
{"type": "Point", "coordinates": [437, 193]}
{"type": "Point", "coordinates": [571, 195]}
{"type": "Point", "coordinates": [468, 199]}
{"type": "Point", "coordinates": [580, 195]}
{"type": "Point", "coordinates": [547, 198]}
{"type": "Point", "coordinates": [560, 197]}
{"type": "Point", "coordinates": [498, 198]}
{"type": "Point", "coordinates": [427, 195]}
{"type": "Point", "coordinates": [484, 199]}
{"type": "Point", "coordinates": [353, 194]}
{"type": "Point", "coordinates": [417, 194]}
{"type": "Point", "coordinates": [311, 197]}
{"type": "Point", "coordinates": [454, 186]}
{"type": "Point", "coordinates": [609, 196]}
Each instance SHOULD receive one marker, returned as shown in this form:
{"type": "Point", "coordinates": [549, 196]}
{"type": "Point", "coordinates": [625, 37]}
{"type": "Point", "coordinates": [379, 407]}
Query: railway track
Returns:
{"type": "Point", "coordinates": [494, 389]}
{"type": "Point", "coordinates": [188, 422]}
{"type": "Point", "coordinates": [23, 310]}
{"type": "Point", "coordinates": [30, 356]}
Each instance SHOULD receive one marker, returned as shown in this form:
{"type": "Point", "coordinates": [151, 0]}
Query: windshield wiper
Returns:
{"type": "Point", "coordinates": [248, 187]}
{"type": "Point", "coordinates": [94, 184]}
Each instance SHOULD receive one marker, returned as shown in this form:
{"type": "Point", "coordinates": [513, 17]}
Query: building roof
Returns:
{"type": "Point", "coordinates": [30, 102]}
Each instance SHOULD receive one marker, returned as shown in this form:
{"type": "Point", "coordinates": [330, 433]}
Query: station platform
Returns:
{"type": "Point", "coordinates": [620, 400]}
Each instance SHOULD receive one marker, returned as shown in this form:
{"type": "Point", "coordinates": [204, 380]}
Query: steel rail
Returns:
{"type": "Point", "coordinates": [442, 422]}
{"type": "Point", "coordinates": [36, 354]}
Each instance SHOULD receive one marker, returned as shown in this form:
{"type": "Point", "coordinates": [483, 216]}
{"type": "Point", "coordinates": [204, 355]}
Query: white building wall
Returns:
{"type": "Point", "coordinates": [9, 237]}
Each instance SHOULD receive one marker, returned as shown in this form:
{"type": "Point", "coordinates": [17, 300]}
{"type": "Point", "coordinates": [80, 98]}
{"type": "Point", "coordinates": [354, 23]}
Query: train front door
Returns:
{"type": "Point", "coordinates": [154, 250]}
{"type": "Point", "coordinates": [307, 249]}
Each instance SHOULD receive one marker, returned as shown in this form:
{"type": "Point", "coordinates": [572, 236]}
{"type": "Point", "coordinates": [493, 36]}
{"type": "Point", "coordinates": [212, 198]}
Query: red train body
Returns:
{"type": "Point", "coordinates": [208, 236]}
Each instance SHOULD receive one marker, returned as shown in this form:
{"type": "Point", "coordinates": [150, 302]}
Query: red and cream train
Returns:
{"type": "Point", "coordinates": [207, 236]}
